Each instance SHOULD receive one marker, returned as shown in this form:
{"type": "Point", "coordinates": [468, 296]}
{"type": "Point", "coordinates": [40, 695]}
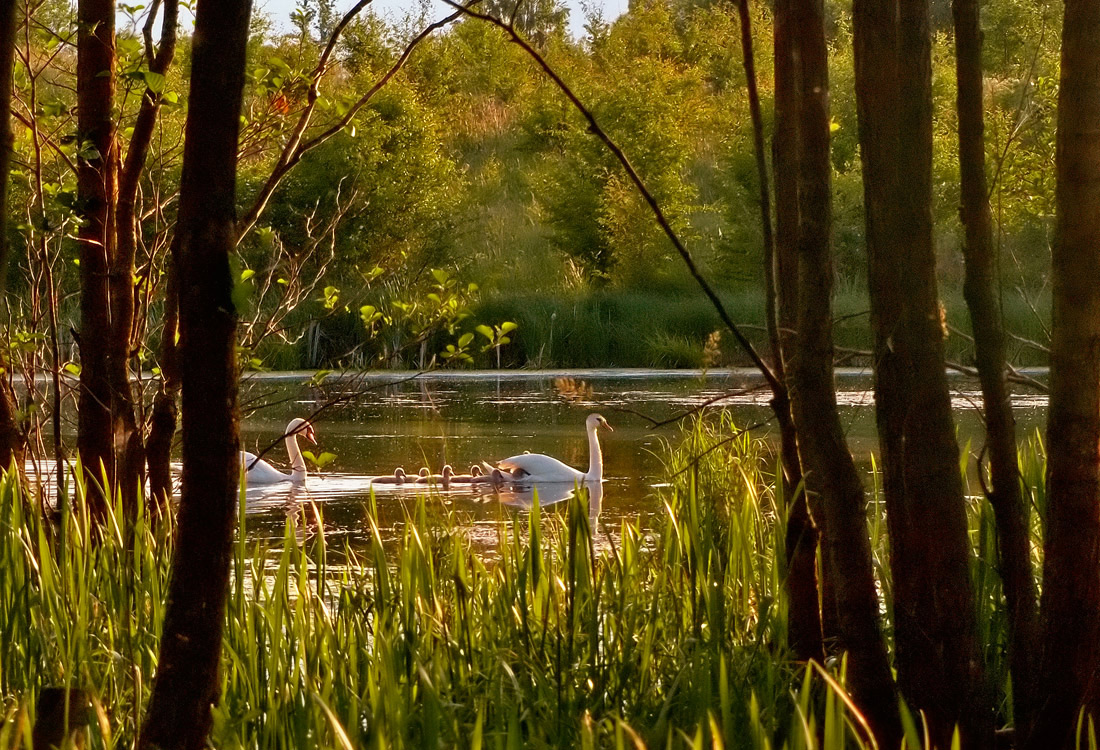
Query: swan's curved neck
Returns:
{"type": "Point", "coordinates": [297, 461]}
{"type": "Point", "coordinates": [595, 457]}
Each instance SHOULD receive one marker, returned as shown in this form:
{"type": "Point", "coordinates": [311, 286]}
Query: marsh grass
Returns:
{"type": "Point", "coordinates": [554, 637]}
{"type": "Point", "coordinates": [670, 327]}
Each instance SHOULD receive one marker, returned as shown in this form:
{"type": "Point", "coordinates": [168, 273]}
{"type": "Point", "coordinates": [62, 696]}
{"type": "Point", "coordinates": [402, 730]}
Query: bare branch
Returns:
{"type": "Point", "coordinates": [774, 382]}
{"type": "Point", "coordinates": [1012, 375]}
{"type": "Point", "coordinates": [656, 423]}
{"type": "Point", "coordinates": [699, 457]}
{"type": "Point", "coordinates": [295, 147]}
{"type": "Point", "coordinates": [346, 398]}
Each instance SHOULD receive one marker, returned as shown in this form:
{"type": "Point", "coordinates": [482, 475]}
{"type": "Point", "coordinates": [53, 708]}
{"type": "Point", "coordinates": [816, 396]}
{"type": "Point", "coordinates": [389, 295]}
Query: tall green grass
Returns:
{"type": "Point", "coordinates": [556, 635]}
{"type": "Point", "coordinates": [627, 327]}
{"type": "Point", "coordinates": [667, 326]}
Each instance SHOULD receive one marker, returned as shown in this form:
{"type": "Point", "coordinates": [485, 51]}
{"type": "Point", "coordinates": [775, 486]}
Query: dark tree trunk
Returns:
{"type": "Point", "coordinates": [162, 425]}
{"type": "Point", "coordinates": [785, 148]}
{"type": "Point", "coordinates": [804, 612]}
{"type": "Point", "coordinates": [12, 438]}
{"type": "Point", "coordinates": [1005, 497]}
{"type": "Point", "coordinates": [123, 324]}
{"type": "Point", "coordinates": [97, 167]}
{"type": "Point", "coordinates": [186, 683]}
{"type": "Point", "coordinates": [831, 473]}
{"type": "Point", "coordinates": [938, 661]}
{"type": "Point", "coordinates": [1071, 567]}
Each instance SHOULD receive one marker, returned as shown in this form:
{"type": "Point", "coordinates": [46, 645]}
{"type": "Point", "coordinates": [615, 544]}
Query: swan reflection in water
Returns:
{"type": "Point", "coordinates": [301, 503]}
{"type": "Point", "coordinates": [294, 500]}
{"type": "Point", "coordinates": [551, 493]}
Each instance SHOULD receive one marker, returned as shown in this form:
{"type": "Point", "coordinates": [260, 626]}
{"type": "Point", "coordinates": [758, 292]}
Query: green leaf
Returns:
{"type": "Point", "coordinates": [485, 331]}
{"type": "Point", "coordinates": [464, 340]}
{"type": "Point", "coordinates": [508, 326]}
{"type": "Point", "coordinates": [369, 315]}
{"type": "Point", "coordinates": [242, 289]}
{"type": "Point", "coordinates": [153, 81]}
{"type": "Point", "coordinates": [88, 152]}
{"type": "Point", "coordinates": [331, 297]}
{"type": "Point", "coordinates": [72, 368]}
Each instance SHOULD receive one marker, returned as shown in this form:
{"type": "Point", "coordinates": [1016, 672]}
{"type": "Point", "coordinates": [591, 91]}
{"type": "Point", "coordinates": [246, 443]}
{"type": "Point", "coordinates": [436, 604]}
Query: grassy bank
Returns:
{"type": "Point", "coordinates": [556, 636]}
{"type": "Point", "coordinates": [672, 326]}
{"type": "Point", "coordinates": [636, 328]}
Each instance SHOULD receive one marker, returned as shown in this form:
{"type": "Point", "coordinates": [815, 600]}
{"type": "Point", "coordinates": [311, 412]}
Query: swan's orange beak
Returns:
{"type": "Point", "coordinates": [609, 427]}
{"type": "Point", "coordinates": [311, 436]}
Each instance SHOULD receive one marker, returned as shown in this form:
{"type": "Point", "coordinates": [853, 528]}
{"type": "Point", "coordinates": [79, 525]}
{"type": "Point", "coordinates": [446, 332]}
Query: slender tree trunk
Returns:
{"type": "Point", "coordinates": [831, 473]}
{"type": "Point", "coordinates": [785, 147]}
{"type": "Point", "coordinates": [186, 683]}
{"type": "Point", "coordinates": [1071, 567]}
{"type": "Point", "coordinates": [804, 612]}
{"type": "Point", "coordinates": [1006, 498]}
{"type": "Point", "coordinates": [12, 438]}
{"type": "Point", "coordinates": [938, 661]}
{"type": "Point", "coordinates": [122, 290]}
{"type": "Point", "coordinates": [162, 427]}
{"type": "Point", "coordinates": [96, 189]}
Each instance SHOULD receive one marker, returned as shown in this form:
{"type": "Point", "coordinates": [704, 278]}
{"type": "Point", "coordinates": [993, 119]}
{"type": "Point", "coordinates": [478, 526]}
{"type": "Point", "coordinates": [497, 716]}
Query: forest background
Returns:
{"type": "Point", "coordinates": [468, 196]}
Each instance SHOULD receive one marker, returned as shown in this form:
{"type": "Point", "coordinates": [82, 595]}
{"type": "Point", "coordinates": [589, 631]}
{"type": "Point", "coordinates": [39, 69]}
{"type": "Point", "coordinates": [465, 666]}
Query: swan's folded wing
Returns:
{"type": "Point", "coordinates": [538, 465]}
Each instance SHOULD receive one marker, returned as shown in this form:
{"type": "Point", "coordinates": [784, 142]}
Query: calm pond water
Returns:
{"type": "Point", "coordinates": [385, 420]}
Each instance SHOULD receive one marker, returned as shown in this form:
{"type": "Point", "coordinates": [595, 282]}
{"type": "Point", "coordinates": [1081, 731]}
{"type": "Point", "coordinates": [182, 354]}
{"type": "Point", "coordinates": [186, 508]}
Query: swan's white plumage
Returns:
{"type": "Point", "coordinates": [258, 471]}
{"type": "Point", "coordinates": [537, 467]}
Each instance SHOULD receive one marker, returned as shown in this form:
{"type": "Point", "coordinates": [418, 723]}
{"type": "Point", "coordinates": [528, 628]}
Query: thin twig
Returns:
{"type": "Point", "coordinates": [1012, 375]}
{"type": "Point", "coordinates": [656, 423]}
{"type": "Point", "coordinates": [696, 459]}
{"type": "Point", "coordinates": [346, 398]}
{"type": "Point", "coordinates": [776, 385]}
{"type": "Point", "coordinates": [296, 147]}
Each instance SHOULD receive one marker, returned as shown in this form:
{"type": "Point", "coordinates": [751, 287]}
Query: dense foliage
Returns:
{"type": "Point", "coordinates": [467, 185]}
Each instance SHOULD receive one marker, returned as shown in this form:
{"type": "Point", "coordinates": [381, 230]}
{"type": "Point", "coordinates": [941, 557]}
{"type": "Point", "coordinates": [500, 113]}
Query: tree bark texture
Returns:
{"type": "Point", "coordinates": [97, 168]}
{"type": "Point", "coordinates": [831, 473]}
{"type": "Point", "coordinates": [979, 288]}
{"type": "Point", "coordinates": [12, 438]}
{"type": "Point", "coordinates": [788, 92]}
{"type": "Point", "coordinates": [162, 423]}
{"type": "Point", "coordinates": [8, 26]}
{"type": "Point", "coordinates": [804, 631]}
{"type": "Point", "coordinates": [1071, 567]}
{"type": "Point", "coordinates": [937, 657]}
{"type": "Point", "coordinates": [186, 683]}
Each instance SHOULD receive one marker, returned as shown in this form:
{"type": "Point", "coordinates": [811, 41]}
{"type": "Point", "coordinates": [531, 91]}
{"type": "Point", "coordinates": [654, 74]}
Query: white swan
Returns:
{"type": "Point", "coordinates": [257, 471]}
{"type": "Point", "coordinates": [536, 467]}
